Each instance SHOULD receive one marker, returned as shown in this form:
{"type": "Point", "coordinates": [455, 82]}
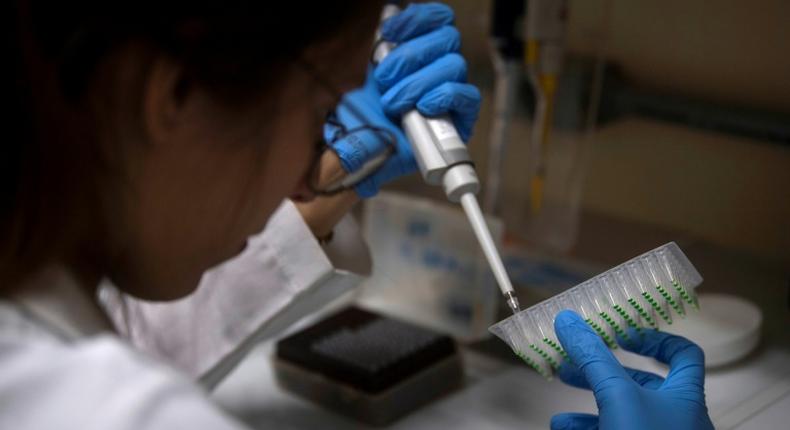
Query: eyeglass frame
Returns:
{"type": "Point", "coordinates": [352, 179]}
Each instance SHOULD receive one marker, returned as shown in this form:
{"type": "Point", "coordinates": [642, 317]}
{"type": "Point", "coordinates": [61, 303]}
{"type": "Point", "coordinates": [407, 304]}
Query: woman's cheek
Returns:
{"type": "Point", "coordinates": [302, 153]}
{"type": "Point", "coordinates": [289, 156]}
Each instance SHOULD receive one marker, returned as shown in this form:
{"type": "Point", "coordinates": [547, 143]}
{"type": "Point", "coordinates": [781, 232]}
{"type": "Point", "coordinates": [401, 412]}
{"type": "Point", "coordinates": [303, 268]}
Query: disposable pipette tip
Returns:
{"type": "Point", "coordinates": [512, 302]}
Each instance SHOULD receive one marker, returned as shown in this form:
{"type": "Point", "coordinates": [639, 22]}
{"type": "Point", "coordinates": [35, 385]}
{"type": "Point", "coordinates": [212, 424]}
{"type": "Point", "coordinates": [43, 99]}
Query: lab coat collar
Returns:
{"type": "Point", "coordinates": [53, 298]}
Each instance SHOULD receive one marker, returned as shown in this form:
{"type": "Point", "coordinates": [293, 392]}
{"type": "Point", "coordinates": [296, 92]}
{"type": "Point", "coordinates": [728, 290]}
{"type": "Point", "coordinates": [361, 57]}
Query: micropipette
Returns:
{"type": "Point", "coordinates": [444, 160]}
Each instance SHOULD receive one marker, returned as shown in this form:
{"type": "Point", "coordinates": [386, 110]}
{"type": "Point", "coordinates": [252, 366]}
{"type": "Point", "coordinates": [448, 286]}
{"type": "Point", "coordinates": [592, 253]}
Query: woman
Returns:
{"type": "Point", "coordinates": [150, 145]}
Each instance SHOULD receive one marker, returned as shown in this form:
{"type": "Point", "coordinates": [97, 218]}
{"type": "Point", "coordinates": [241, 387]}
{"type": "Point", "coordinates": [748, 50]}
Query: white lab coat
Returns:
{"type": "Point", "coordinates": [65, 365]}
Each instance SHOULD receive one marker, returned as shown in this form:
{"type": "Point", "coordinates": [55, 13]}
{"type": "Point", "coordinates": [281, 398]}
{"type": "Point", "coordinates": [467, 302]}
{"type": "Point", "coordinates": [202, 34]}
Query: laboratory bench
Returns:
{"type": "Point", "coordinates": [504, 394]}
{"type": "Point", "coordinates": [500, 392]}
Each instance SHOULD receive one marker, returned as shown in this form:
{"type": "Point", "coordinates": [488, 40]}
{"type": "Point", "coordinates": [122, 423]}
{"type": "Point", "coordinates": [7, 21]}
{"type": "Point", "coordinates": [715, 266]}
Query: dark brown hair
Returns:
{"type": "Point", "coordinates": [49, 166]}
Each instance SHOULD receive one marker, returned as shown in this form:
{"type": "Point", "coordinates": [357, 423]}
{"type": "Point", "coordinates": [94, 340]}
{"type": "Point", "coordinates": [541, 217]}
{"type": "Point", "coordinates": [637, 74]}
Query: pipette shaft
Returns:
{"type": "Point", "coordinates": [472, 209]}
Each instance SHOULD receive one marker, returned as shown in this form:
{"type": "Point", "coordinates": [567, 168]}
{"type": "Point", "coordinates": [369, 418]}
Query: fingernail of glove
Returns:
{"type": "Point", "coordinates": [568, 318]}
{"type": "Point", "coordinates": [390, 27]}
{"type": "Point", "coordinates": [572, 329]}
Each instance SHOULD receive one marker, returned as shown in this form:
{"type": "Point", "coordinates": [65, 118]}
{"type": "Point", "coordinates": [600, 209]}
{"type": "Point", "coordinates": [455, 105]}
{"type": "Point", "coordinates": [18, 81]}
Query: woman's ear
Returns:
{"type": "Point", "coordinates": [165, 100]}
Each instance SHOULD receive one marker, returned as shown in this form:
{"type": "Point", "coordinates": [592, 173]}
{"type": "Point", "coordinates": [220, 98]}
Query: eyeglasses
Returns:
{"type": "Point", "coordinates": [322, 182]}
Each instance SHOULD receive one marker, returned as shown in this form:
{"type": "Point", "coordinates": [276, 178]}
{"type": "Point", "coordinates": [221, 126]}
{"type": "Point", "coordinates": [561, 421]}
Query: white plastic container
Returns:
{"type": "Point", "coordinates": [428, 267]}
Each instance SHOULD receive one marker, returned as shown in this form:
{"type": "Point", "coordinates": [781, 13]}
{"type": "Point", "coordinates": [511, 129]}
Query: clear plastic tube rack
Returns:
{"type": "Point", "coordinates": [645, 291]}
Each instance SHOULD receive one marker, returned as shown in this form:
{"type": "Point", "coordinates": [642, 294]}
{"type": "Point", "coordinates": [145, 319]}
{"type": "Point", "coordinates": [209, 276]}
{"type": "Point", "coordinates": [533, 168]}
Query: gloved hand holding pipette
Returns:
{"type": "Point", "coordinates": [425, 73]}
{"type": "Point", "coordinates": [436, 141]}
{"type": "Point", "coordinates": [629, 398]}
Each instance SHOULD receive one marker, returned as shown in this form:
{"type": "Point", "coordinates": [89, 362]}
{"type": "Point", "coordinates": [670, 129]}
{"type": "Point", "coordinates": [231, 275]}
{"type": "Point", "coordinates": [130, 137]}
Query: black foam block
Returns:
{"type": "Point", "coordinates": [365, 350]}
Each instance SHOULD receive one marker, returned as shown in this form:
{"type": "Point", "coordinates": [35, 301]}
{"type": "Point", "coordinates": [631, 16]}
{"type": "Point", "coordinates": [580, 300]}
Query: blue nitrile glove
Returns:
{"type": "Point", "coordinates": [424, 71]}
{"type": "Point", "coordinates": [629, 398]}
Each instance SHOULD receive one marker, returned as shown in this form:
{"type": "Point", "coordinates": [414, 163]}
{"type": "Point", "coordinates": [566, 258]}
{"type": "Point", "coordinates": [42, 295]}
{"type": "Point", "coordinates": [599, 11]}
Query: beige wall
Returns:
{"type": "Point", "coordinates": [729, 190]}
{"type": "Point", "coordinates": [728, 50]}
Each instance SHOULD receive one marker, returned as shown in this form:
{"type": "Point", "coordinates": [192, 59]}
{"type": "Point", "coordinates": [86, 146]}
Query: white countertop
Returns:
{"type": "Point", "coordinates": [753, 394]}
